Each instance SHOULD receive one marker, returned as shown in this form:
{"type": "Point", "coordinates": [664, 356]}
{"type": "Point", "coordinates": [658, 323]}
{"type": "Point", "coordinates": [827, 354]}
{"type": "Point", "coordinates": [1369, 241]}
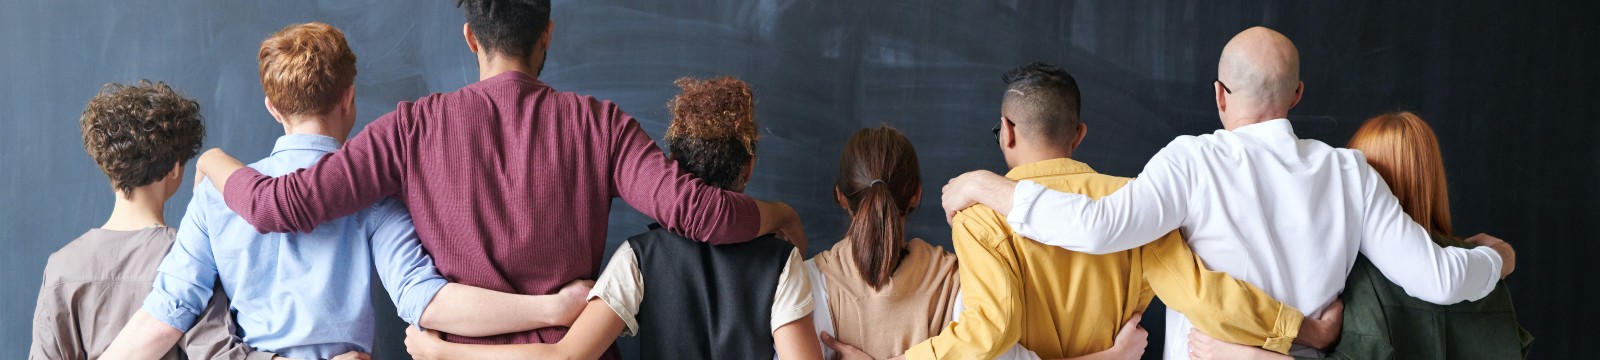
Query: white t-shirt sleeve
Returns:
{"type": "Point", "coordinates": [621, 287]}
{"type": "Point", "coordinates": [792, 300]}
{"type": "Point", "coordinates": [1147, 207]}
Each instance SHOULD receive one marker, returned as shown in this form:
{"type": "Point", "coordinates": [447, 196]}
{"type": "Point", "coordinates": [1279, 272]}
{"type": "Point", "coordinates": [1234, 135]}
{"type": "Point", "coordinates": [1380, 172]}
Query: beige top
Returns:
{"type": "Point", "coordinates": [97, 282]}
{"type": "Point", "coordinates": [621, 287]}
{"type": "Point", "coordinates": [913, 306]}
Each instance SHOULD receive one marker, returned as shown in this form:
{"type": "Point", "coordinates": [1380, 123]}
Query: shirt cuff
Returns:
{"type": "Point", "coordinates": [170, 311]}
{"type": "Point", "coordinates": [418, 297]}
{"type": "Point", "coordinates": [1023, 196]}
{"type": "Point", "coordinates": [1288, 325]}
{"type": "Point", "coordinates": [1494, 277]}
{"type": "Point", "coordinates": [922, 350]}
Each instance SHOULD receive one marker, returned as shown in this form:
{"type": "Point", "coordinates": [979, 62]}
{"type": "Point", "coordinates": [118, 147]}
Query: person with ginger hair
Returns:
{"type": "Point", "coordinates": [1286, 214]}
{"type": "Point", "coordinates": [1380, 320]}
{"type": "Point", "coordinates": [309, 295]}
{"type": "Point", "coordinates": [749, 300]}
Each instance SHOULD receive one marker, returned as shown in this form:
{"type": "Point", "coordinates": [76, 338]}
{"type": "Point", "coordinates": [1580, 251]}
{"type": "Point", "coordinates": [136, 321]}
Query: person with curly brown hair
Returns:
{"type": "Point", "coordinates": [750, 300]}
{"type": "Point", "coordinates": [509, 180]}
{"type": "Point", "coordinates": [140, 135]}
{"type": "Point", "coordinates": [310, 295]}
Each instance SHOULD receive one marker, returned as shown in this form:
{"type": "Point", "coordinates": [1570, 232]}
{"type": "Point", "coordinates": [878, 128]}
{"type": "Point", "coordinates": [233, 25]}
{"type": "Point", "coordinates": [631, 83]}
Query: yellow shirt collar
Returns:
{"type": "Point", "coordinates": [1052, 167]}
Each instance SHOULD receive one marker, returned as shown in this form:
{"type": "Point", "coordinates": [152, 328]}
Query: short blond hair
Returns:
{"type": "Point", "coordinates": [305, 67]}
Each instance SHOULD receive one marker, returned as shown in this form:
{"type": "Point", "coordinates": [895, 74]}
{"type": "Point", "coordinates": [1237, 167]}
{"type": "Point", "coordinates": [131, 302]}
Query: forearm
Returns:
{"type": "Point", "coordinates": [218, 166]}
{"type": "Point", "coordinates": [797, 340]}
{"type": "Point", "coordinates": [143, 337]}
{"type": "Point", "coordinates": [1230, 309]}
{"type": "Point", "coordinates": [472, 311]}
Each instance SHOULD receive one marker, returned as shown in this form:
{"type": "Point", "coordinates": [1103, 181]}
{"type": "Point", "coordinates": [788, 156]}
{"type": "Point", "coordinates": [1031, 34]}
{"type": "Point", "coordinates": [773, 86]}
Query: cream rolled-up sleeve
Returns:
{"type": "Point", "coordinates": [1147, 207]}
{"type": "Point", "coordinates": [621, 287]}
{"type": "Point", "coordinates": [792, 299]}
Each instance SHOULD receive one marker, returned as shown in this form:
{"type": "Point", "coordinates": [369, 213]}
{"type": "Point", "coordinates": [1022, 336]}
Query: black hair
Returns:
{"type": "Point", "coordinates": [1047, 98]}
{"type": "Point", "coordinates": [508, 27]}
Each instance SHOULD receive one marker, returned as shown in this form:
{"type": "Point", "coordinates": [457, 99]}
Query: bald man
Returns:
{"type": "Point", "coordinates": [1288, 215]}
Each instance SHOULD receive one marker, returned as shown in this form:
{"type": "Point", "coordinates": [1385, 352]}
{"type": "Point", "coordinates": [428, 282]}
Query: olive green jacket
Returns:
{"type": "Point", "coordinates": [1382, 322]}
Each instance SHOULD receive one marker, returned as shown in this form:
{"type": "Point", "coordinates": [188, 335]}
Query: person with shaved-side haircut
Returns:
{"type": "Point", "coordinates": [1288, 215]}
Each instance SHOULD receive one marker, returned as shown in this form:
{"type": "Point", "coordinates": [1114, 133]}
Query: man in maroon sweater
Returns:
{"type": "Point", "coordinates": [508, 180]}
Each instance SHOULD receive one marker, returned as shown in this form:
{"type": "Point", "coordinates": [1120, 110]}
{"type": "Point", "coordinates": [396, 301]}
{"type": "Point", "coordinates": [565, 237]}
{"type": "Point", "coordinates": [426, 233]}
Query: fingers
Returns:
{"type": "Point", "coordinates": [1199, 345]}
{"type": "Point", "coordinates": [827, 339]}
{"type": "Point", "coordinates": [1334, 312]}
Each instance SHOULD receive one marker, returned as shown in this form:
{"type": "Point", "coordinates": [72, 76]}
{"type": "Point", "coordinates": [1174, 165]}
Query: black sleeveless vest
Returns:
{"type": "Point", "coordinates": [706, 301]}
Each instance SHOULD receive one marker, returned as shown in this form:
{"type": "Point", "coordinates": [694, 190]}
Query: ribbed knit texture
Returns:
{"type": "Point", "coordinates": [509, 182]}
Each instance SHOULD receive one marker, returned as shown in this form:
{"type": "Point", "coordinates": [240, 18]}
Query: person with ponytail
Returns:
{"type": "Point", "coordinates": [876, 289]}
{"type": "Point", "coordinates": [1381, 320]}
{"type": "Point", "coordinates": [1024, 299]}
{"type": "Point", "coordinates": [749, 300]}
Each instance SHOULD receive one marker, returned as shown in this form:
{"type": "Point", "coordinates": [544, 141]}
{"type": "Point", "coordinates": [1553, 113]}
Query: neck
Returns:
{"type": "Point", "coordinates": [1037, 155]}
{"type": "Point", "coordinates": [1252, 118]}
{"type": "Point", "coordinates": [137, 210]}
{"type": "Point", "coordinates": [491, 65]}
{"type": "Point", "coordinates": [312, 125]}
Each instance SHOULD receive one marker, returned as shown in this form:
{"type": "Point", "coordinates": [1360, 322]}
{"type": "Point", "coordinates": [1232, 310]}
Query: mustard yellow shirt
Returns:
{"type": "Point", "coordinates": [1060, 303]}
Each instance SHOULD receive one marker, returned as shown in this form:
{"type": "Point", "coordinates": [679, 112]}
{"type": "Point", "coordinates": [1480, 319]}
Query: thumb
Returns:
{"type": "Point", "coordinates": [827, 339]}
{"type": "Point", "coordinates": [1133, 323]}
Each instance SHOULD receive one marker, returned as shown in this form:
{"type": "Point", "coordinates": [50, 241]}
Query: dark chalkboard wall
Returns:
{"type": "Point", "coordinates": [1507, 84]}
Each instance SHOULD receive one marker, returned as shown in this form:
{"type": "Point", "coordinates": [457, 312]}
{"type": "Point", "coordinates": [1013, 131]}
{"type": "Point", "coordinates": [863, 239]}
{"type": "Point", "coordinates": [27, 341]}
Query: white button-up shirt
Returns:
{"type": "Point", "coordinates": [1286, 214]}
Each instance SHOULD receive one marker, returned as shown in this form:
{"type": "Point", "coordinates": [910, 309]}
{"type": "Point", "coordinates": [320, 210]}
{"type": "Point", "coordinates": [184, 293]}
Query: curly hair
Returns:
{"type": "Point", "coordinates": [305, 68]}
{"type": "Point", "coordinates": [137, 133]}
{"type": "Point", "coordinates": [713, 131]}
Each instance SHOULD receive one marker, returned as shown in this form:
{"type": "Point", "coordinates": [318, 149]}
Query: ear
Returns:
{"type": "Point", "coordinates": [1008, 133]}
{"type": "Point", "coordinates": [1299, 90]}
{"type": "Point", "coordinates": [1083, 129]}
{"type": "Point", "coordinates": [838, 196]}
{"type": "Point", "coordinates": [549, 32]}
{"type": "Point", "coordinates": [916, 200]}
{"type": "Point", "coordinates": [749, 168]}
{"type": "Point", "coordinates": [176, 173]}
{"type": "Point", "coordinates": [472, 39]}
{"type": "Point", "coordinates": [272, 110]}
{"type": "Point", "coordinates": [1222, 101]}
{"type": "Point", "coordinates": [349, 101]}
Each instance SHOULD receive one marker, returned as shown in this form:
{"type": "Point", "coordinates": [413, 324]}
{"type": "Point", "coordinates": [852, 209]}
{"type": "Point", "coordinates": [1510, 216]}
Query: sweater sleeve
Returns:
{"type": "Point", "coordinates": [644, 177]}
{"type": "Point", "coordinates": [368, 168]}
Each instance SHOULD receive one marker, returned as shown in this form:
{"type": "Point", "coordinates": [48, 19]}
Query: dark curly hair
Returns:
{"type": "Point", "coordinates": [137, 133]}
{"type": "Point", "coordinates": [509, 27]}
{"type": "Point", "coordinates": [713, 131]}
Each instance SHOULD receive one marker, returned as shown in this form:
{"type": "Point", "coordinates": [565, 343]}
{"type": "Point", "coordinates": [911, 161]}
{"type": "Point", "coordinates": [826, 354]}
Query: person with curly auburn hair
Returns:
{"type": "Point", "coordinates": [307, 72]}
{"type": "Point", "coordinates": [140, 135]}
{"type": "Point", "coordinates": [510, 181]}
{"type": "Point", "coordinates": [750, 300]}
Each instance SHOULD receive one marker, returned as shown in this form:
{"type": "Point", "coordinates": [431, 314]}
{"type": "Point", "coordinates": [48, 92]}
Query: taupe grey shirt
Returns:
{"type": "Point", "coordinates": [97, 282]}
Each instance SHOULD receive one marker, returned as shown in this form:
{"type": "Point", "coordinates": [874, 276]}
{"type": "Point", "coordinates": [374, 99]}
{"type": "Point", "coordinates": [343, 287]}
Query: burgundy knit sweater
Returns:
{"type": "Point", "coordinates": [509, 183]}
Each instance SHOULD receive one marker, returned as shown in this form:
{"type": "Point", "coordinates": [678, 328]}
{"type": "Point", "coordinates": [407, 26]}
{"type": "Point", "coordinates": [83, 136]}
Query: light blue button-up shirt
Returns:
{"type": "Point", "coordinates": [305, 296]}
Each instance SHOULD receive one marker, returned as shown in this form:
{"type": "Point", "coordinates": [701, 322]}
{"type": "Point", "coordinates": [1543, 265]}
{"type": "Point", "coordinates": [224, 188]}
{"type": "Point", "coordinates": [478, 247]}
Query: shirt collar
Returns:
{"type": "Point", "coordinates": [308, 142]}
{"type": "Point", "coordinates": [1058, 166]}
{"type": "Point", "coordinates": [1267, 128]}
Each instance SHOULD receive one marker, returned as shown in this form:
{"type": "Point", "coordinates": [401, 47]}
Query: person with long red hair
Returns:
{"type": "Point", "coordinates": [1381, 320]}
